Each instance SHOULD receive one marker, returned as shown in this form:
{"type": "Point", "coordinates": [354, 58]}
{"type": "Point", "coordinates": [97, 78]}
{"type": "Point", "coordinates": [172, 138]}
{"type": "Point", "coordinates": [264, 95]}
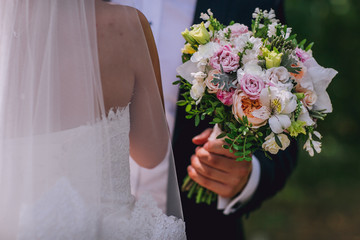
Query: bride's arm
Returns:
{"type": "Point", "coordinates": [149, 137]}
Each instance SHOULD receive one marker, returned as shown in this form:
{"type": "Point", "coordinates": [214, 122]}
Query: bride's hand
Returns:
{"type": "Point", "coordinates": [216, 169]}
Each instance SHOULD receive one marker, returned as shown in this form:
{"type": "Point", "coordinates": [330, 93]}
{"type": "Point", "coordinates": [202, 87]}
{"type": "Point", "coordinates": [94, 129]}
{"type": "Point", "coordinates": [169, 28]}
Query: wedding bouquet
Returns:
{"type": "Point", "coordinates": [260, 87]}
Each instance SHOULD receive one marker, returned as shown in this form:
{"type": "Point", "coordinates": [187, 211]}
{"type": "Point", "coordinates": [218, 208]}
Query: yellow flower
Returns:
{"type": "Point", "coordinates": [273, 59]}
{"type": "Point", "coordinates": [296, 128]}
{"type": "Point", "coordinates": [187, 49]}
{"type": "Point", "coordinates": [197, 35]}
{"type": "Point", "coordinates": [188, 37]}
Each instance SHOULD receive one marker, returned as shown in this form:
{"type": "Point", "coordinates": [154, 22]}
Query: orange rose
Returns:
{"type": "Point", "coordinates": [244, 106]}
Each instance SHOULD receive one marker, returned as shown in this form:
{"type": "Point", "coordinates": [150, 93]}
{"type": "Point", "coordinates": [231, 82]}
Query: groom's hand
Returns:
{"type": "Point", "coordinates": [215, 168]}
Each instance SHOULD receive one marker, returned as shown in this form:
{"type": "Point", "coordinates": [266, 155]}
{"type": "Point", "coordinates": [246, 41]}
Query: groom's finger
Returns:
{"type": "Point", "coordinates": [216, 147]}
{"type": "Point", "coordinates": [217, 161]}
{"type": "Point", "coordinates": [208, 171]}
{"type": "Point", "coordinates": [202, 138]}
{"type": "Point", "coordinates": [212, 185]}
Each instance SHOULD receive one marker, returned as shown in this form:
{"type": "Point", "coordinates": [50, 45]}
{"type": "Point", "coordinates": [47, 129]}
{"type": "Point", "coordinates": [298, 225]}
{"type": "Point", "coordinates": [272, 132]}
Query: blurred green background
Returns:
{"type": "Point", "coordinates": [322, 197]}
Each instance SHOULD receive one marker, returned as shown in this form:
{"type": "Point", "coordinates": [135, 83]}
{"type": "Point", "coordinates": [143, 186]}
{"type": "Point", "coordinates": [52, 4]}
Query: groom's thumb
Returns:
{"type": "Point", "coordinates": [202, 138]}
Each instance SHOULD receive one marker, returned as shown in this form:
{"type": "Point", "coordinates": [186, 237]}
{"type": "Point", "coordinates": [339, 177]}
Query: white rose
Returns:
{"type": "Point", "coordinates": [278, 74]}
{"type": "Point", "coordinates": [271, 146]}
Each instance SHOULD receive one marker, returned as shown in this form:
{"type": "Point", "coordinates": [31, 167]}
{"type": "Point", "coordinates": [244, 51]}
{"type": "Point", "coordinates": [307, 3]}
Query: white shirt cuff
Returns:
{"type": "Point", "coordinates": [231, 205]}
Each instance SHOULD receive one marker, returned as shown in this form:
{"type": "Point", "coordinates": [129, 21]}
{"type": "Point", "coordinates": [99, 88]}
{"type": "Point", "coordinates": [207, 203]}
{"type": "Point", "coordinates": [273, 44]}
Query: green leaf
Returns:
{"type": "Point", "coordinates": [181, 103]}
{"type": "Point", "coordinates": [189, 116]}
{"type": "Point", "coordinates": [237, 147]}
{"type": "Point", "coordinates": [188, 108]}
{"type": "Point", "coordinates": [278, 142]}
{"type": "Point", "coordinates": [226, 146]}
{"type": "Point", "coordinates": [248, 159]}
{"type": "Point", "coordinates": [231, 126]}
{"type": "Point", "coordinates": [221, 135]}
{"type": "Point", "coordinates": [248, 145]}
{"type": "Point", "coordinates": [197, 120]}
{"type": "Point", "coordinates": [309, 46]}
{"type": "Point", "coordinates": [301, 44]}
{"type": "Point", "coordinates": [217, 120]}
{"type": "Point", "coordinates": [239, 159]}
{"type": "Point", "coordinates": [228, 141]}
{"type": "Point", "coordinates": [238, 154]}
{"type": "Point", "coordinates": [176, 82]}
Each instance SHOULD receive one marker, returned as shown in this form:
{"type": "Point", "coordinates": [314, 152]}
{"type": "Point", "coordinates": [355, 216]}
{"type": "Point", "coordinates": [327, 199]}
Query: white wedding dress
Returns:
{"type": "Point", "coordinates": [61, 211]}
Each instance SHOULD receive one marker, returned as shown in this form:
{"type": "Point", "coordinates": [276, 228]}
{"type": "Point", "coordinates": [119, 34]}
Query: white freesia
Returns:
{"type": "Point", "coordinates": [205, 51]}
{"type": "Point", "coordinates": [204, 16]}
{"type": "Point", "coordinates": [271, 146]}
{"type": "Point", "coordinates": [308, 148]}
{"type": "Point", "coordinates": [311, 144]}
{"type": "Point", "coordinates": [277, 105]}
{"type": "Point", "coordinates": [317, 79]}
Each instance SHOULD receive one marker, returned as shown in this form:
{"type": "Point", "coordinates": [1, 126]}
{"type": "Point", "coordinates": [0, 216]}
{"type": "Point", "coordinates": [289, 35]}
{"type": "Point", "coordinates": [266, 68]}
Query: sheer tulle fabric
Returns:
{"type": "Point", "coordinates": [64, 171]}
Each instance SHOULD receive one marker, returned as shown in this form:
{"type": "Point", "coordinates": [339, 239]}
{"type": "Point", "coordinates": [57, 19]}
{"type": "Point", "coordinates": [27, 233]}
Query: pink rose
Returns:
{"type": "Point", "coordinates": [227, 58]}
{"type": "Point", "coordinates": [309, 99]}
{"type": "Point", "coordinates": [244, 106]}
{"type": "Point", "coordinates": [212, 88]}
{"type": "Point", "coordinates": [251, 85]}
{"type": "Point", "coordinates": [226, 97]}
{"type": "Point", "coordinates": [302, 55]}
{"type": "Point", "coordinates": [237, 29]}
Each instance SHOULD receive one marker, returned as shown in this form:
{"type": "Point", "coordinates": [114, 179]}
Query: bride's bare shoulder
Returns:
{"type": "Point", "coordinates": [119, 16]}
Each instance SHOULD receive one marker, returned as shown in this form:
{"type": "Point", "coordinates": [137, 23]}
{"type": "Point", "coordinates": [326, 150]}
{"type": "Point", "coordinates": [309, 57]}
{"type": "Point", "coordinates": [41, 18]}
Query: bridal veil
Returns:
{"type": "Point", "coordinates": [60, 145]}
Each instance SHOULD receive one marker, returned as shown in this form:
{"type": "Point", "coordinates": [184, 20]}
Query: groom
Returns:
{"type": "Point", "coordinates": [248, 184]}
{"type": "Point", "coordinates": [210, 222]}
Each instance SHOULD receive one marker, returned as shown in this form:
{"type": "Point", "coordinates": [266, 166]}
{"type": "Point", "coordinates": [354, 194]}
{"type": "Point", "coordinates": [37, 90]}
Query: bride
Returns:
{"type": "Point", "coordinates": [79, 92]}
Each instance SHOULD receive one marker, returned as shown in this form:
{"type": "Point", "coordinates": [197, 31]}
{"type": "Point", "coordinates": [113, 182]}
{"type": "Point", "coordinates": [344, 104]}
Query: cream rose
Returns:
{"type": "Point", "coordinates": [212, 88]}
{"type": "Point", "coordinates": [271, 146]}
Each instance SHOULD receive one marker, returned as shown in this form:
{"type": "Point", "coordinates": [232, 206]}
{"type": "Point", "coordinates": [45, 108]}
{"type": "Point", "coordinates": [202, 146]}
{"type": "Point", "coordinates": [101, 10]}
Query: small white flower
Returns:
{"type": "Point", "coordinates": [210, 12]}
{"type": "Point", "coordinates": [317, 134]}
{"type": "Point", "coordinates": [311, 144]}
{"type": "Point", "coordinates": [308, 148]}
{"type": "Point", "coordinates": [288, 32]}
{"type": "Point", "coordinates": [272, 29]}
{"type": "Point", "coordinates": [207, 24]}
{"type": "Point", "coordinates": [317, 146]}
{"type": "Point", "coordinates": [256, 13]}
{"type": "Point", "coordinates": [204, 16]}
{"type": "Point", "coordinates": [271, 146]}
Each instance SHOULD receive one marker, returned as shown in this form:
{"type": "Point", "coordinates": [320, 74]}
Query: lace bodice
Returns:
{"type": "Point", "coordinates": [83, 164]}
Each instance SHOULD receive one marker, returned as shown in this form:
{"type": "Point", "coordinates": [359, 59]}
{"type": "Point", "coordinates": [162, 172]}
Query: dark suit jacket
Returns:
{"type": "Point", "coordinates": [203, 221]}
